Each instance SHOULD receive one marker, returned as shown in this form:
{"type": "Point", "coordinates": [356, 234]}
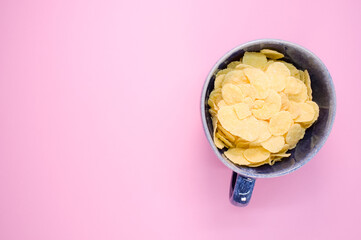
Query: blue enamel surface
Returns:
{"type": "Point", "coordinates": [323, 95]}
{"type": "Point", "coordinates": [241, 190]}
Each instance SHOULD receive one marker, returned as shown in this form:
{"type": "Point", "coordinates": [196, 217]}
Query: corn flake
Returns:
{"type": "Point", "coordinates": [235, 77]}
{"type": "Point", "coordinates": [307, 113]}
{"type": "Point", "coordinates": [256, 154]}
{"type": "Point", "coordinates": [272, 54]}
{"type": "Point", "coordinates": [236, 156]}
{"type": "Point", "coordinates": [295, 133]}
{"type": "Point", "coordinates": [308, 85]}
{"type": "Point", "coordinates": [280, 123]}
{"type": "Point", "coordinates": [232, 94]}
{"type": "Point", "coordinates": [218, 81]}
{"type": "Point", "coordinates": [242, 110]}
{"type": "Point", "coordinates": [277, 73]}
{"type": "Point", "coordinates": [274, 144]}
{"type": "Point", "coordinates": [254, 59]}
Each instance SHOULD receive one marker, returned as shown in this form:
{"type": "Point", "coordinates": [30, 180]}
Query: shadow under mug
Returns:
{"type": "Point", "coordinates": [243, 178]}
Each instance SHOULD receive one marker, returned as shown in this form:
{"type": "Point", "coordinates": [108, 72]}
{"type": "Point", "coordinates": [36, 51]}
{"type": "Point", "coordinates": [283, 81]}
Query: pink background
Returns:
{"type": "Point", "coordinates": [101, 136]}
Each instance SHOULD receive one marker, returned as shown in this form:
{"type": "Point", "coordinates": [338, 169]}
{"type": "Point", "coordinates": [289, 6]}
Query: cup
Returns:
{"type": "Point", "coordinates": [243, 178]}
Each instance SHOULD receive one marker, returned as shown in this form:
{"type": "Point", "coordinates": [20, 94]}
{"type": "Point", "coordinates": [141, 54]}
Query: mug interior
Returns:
{"type": "Point", "coordinates": [323, 94]}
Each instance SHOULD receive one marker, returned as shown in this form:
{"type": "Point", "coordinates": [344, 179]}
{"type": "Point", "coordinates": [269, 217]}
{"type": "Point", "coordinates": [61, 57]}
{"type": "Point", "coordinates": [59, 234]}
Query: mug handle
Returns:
{"type": "Point", "coordinates": [241, 190]}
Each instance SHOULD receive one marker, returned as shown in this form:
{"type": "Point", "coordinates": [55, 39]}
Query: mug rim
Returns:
{"type": "Point", "coordinates": [203, 109]}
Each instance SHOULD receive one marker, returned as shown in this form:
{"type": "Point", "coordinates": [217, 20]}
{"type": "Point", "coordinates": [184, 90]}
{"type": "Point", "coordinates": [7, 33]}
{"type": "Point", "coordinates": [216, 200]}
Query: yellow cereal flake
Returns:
{"type": "Point", "coordinates": [285, 148]}
{"type": "Point", "coordinates": [221, 137]}
{"type": "Point", "coordinates": [242, 144]}
{"type": "Point", "coordinates": [258, 164]}
{"type": "Point", "coordinates": [274, 144]}
{"type": "Point", "coordinates": [273, 160]}
{"type": "Point", "coordinates": [257, 77]}
{"type": "Point", "coordinates": [254, 59]}
{"type": "Point", "coordinates": [242, 110]}
{"type": "Point", "coordinates": [277, 73]}
{"type": "Point", "coordinates": [285, 103]}
{"type": "Point", "coordinates": [235, 77]}
{"type": "Point", "coordinates": [221, 103]}
{"type": "Point", "coordinates": [216, 95]}
{"type": "Point", "coordinates": [302, 75]}
{"type": "Point", "coordinates": [228, 118]}
{"type": "Point", "coordinates": [214, 99]}
{"type": "Point", "coordinates": [219, 144]}
{"type": "Point", "coordinates": [242, 66]}
{"type": "Point", "coordinates": [258, 104]}
{"type": "Point", "coordinates": [248, 129]}
{"type": "Point", "coordinates": [280, 155]}
{"type": "Point", "coordinates": [235, 155]}
{"type": "Point", "coordinates": [218, 81]}
{"type": "Point", "coordinates": [315, 117]}
{"type": "Point", "coordinates": [269, 62]}
{"type": "Point", "coordinates": [233, 64]}
{"type": "Point", "coordinates": [259, 80]}
{"type": "Point", "coordinates": [212, 112]}
{"type": "Point", "coordinates": [271, 106]}
{"type": "Point", "coordinates": [299, 97]}
{"type": "Point", "coordinates": [232, 94]}
{"type": "Point", "coordinates": [223, 71]}
{"type": "Point", "coordinates": [212, 104]}
{"type": "Point", "coordinates": [261, 92]}
{"type": "Point", "coordinates": [293, 85]}
{"type": "Point", "coordinates": [249, 102]}
{"type": "Point", "coordinates": [248, 90]}
{"type": "Point", "coordinates": [280, 123]}
{"type": "Point", "coordinates": [294, 109]}
{"type": "Point", "coordinates": [273, 54]}
{"type": "Point", "coordinates": [293, 70]}
{"type": "Point", "coordinates": [294, 134]}
{"type": "Point", "coordinates": [256, 154]}
{"type": "Point", "coordinates": [254, 144]}
{"type": "Point", "coordinates": [308, 85]}
{"type": "Point", "coordinates": [227, 134]}
{"type": "Point", "coordinates": [264, 132]}
{"type": "Point", "coordinates": [307, 112]}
